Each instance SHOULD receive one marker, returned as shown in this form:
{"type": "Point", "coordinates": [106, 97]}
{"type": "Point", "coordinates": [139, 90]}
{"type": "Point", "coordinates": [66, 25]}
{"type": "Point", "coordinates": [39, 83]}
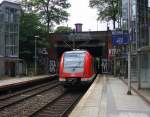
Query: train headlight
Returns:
{"type": "Point", "coordinates": [62, 79]}
{"type": "Point", "coordinates": [84, 79]}
{"type": "Point", "coordinates": [84, 75]}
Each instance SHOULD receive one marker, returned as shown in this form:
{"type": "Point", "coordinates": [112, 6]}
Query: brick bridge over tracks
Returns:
{"type": "Point", "coordinates": [96, 42]}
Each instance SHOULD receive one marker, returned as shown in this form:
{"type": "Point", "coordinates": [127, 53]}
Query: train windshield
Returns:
{"type": "Point", "coordinates": [74, 61]}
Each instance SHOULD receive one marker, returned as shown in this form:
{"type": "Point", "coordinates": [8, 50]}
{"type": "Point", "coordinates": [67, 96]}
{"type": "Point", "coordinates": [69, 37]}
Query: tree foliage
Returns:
{"type": "Point", "coordinates": [37, 18]}
{"type": "Point", "coordinates": [107, 9]}
{"type": "Point", "coordinates": [63, 29]}
{"type": "Point", "coordinates": [51, 11]}
{"type": "Point", "coordinates": [29, 27]}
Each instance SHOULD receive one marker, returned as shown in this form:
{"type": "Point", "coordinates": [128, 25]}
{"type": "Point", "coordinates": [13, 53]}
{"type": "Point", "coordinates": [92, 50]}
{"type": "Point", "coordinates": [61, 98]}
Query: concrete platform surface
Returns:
{"type": "Point", "coordinates": [9, 81]}
{"type": "Point", "coordinates": [107, 97]}
{"type": "Point", "coordinates": [90, 103]}
{"type": "Point", "coordinates": [143, 92]}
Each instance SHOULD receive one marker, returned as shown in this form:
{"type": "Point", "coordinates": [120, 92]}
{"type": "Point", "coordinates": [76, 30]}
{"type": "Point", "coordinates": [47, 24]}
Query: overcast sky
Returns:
{"type": "Point", "coordinates": [81, 13]}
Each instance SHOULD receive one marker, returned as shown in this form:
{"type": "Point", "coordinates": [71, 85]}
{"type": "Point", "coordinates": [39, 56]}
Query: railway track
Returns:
{"type": "Point", "coordinates": [60, 106]}
{"type": "Point", "coordinates": [16, 98]}
{"type": "Point", "coordinates": [49, 99]}
{"type": "Point", "coordinates": [10, 95]}
{"type": "Point", "coordinates": [16, 105]}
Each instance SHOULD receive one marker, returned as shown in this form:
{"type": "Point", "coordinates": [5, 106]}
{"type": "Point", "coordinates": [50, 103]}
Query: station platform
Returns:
{"type": "Point", "coordinates": [107, 97]}
{"type": "Point", "coordinates": [10, 82]}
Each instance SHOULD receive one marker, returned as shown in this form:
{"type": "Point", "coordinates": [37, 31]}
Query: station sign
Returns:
{"type": "Point", "coordinates": [120, 38]}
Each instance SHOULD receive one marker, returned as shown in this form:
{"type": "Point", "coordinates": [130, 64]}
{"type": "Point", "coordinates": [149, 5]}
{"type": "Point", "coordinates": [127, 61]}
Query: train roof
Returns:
{"type": "Point", "coordinates": [76, 51]}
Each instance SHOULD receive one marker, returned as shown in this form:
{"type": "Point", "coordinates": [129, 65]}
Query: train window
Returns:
{"type": "Point", "coordinates": [74, 61]}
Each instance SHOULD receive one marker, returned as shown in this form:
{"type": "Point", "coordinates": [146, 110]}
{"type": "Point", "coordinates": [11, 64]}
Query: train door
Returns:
{"type": "Point", "coordinates": [12, 69]}
{"type": "Point", "coordinates": [6, 68]}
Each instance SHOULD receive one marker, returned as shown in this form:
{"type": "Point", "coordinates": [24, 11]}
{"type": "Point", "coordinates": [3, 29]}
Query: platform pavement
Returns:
{"type": "Point", "coordinates": [107, 97]}
{"type": "Point", "coordinates": [9, 81]}
{"type": "Point", "coordinates": [143, 92]}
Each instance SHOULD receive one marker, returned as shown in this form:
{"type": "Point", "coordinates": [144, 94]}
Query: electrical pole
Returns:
{"type": "Point", "coordinates": [74, 37]}
{"type": "Point", "coordinates": [35, 54]}
{"type": "Point", "coordinates": [129, 44]}
{"type": "Point", "coordinates": [74, 43]}
{"type": "Point", "coordinates": [97, 24]}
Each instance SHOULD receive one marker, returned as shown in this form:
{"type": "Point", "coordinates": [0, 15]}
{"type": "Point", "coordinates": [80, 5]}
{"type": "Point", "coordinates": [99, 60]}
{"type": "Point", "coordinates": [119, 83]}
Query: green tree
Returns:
{"type": "Point", "coordinates": [29, 27]}
{"type": "Point", "coordinates": [107, 9]}
{"type": "Point", "coordinates": [51, 11]}
{"type": "Point", "coordinates": [63, 29]}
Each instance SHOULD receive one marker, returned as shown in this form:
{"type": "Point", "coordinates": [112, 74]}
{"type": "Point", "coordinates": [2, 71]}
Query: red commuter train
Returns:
{"type": "Point", "coordinates": [77, 67]}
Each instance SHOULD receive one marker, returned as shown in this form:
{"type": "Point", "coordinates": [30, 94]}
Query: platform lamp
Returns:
{"type": "Point", "coordinates": [35, 53]}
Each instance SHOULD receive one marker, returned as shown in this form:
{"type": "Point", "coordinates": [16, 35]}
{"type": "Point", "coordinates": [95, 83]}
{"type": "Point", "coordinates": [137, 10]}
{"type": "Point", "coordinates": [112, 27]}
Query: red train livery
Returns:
{"type": "Point", "coordinates": [77, 67]}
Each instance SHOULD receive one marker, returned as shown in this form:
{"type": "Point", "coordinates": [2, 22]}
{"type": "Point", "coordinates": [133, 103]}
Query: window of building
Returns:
{"type": "Point", "coordinates": [133, 8]}
{"type": "Point", "coordinates": [12, 53]}
{"type": "Point", "coordinates": [143, 23]}
{"type": "Point", "coordinates": [0, 27]}
{"type": "Point", "coordinates": [149, 20]}
{"type": "Point", "coordinates": [7, 15]}
{"type": "Point", "coordinates": [11, 17]}
{"type": "Point", "coordinates": [7, 51]}
{"type": "Point", "coordinates": [0, 43]}
{"type": "Point", "coordinates": [144, 61]}
{"type": "Point", "coordinates": [7, 39]}
{"type": "Point", "coordinates": [16, 16]}
{"type": "Point", "coordinates": [1, 17]}
{"type": "Point", "coordinates": [12, 28]}
{"type": "Point", "coordinates": [7, 27]}
{"type": "Point", "coordinates": [16, 29]}
{"type": "Point", "coordinates": [15, 38]}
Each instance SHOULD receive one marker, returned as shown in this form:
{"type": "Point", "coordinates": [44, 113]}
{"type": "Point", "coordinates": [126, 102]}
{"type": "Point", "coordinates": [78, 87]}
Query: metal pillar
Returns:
{"type": "Point", "coordinates": [74, 43]}
{"type": "Point", "coordinates": [129, 52]}
{"type": "Point", "coordinates": [129, 72]}
{"type": "Point", "coordinates": [115, 66]}
{"type": "Point", "coordinates": [35, 63]}
{"type": "Point", "coordinates": [74, 39]}
{"type": "Point", "coordinates": [138, 71]}
{"type": "Point", "coordinates": [137, 46]}
{"type": "Point", "coordinates": [35, 55]}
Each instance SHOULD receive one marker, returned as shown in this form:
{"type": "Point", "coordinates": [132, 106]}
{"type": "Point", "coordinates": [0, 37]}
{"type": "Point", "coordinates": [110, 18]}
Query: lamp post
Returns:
{"type": "Point", "coordinates": [74, 42]}
{"type": "Point", "coordinates": [129, 52]}
{"type": "Point", "coordinates": [35, 54]}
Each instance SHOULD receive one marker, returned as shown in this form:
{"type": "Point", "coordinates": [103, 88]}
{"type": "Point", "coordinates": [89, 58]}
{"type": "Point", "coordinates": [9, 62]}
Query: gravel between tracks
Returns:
{"type": "Point", "coordinates": [26, 107]}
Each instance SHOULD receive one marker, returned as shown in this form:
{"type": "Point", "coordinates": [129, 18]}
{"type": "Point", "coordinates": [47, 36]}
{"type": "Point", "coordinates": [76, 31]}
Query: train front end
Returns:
{"type": "Point", "coordinates": [74, 68]}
